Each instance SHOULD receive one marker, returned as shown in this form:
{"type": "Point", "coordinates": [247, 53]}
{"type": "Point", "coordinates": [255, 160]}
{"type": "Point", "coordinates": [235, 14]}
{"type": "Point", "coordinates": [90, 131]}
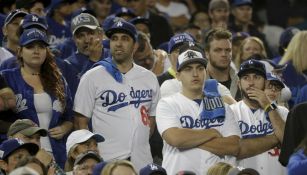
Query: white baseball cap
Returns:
{"type": "Point", "coordinates": [80, 136]}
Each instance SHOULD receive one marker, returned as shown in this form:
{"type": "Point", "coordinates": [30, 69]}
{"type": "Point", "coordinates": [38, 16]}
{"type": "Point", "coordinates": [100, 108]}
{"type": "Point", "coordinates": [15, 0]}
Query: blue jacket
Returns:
{"type": "Point", "coordinates": [25, 109]}
{"type": "Point", "coordinates": [297, 164]}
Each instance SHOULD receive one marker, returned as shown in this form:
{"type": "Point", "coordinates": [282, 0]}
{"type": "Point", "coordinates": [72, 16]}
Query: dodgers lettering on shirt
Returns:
{"type": "Point", "coordinates": [190, 122]}
{"type": "Point", "coordinates": [250, 131]}
{"type": "Point", "coordinates": [114, 101]}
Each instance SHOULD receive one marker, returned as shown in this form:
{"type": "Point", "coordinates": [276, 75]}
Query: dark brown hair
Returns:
{"type": "Point", "coordinates": [216, 34]}
{"type": "Point", "coordinates": [51, 77]}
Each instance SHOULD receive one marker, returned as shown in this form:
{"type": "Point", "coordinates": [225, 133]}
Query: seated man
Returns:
{"type": "Point", "coordinates": [86, 162]}
{"type": "Point", "coordinates": [14, 150]}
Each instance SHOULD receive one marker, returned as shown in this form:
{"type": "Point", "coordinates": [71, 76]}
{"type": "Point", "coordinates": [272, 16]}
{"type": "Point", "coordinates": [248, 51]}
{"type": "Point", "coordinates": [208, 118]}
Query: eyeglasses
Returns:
{"type": "Point", "coordinates": [274, 86]}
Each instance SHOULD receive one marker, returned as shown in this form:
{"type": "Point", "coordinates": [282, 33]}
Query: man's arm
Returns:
{"type": "Point", "coordinates": [252, 146]}
{"type": "Point", "coordinates": [80, 121]}
{"type": "Point", "coordinates": [152, 125]}
{"type": "Point", "coordinates": [223, 146]}
{"type": "Point", "coordinates": [278, 124]}
{"type": "Point", "coordinates": [188, 138]}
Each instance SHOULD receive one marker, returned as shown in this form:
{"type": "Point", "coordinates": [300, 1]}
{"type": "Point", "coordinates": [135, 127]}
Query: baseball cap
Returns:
{"type": "Point", "coordinates": [140, 20]}
{"type": "Point", "coordinates": [26, 127]}
{"type": "Point", "coordinates": [122, 27]}
{"type": "Point", "coordinates": [23, 171]}
{"type": "Point", "coordinates": [248, 171]}
{"type": "Point", "coordinates": [217, 4]}
{"type": "Point", "coordinates": [99, 167]}
{"type": "Point", "coordinates": [84, 20]}
{"type": "Point", "coordinates": [287, 35]}
{"type": "Point", "coordinates": [124, 11]}
{"type": "Point", "coordinates": [190, 56]}
{"type": "Point", "coordinates": [237, 3]}
{"type": "Point", "coordinates": [90, 154]}
{"type": "Point", "coordinates": [153, 168]}
{"type": "Point", "coordinates": [240, 35]}
{"type": "Point", "coordinates": [14, 14]}
{"type": "Point", "coordinates": [275, 78]}
{"type": "Point", "coordinates": [31, 35]}
{"type": "Point", "coordinates": [109, 21]}
{"type": "Point", "coordinates": [11, 145]}
{"type": "Point", "coordinates": [252, 66]}
{"type": "Point", "coordinates": [270, 65]}
{"type": "Point", "coordinates": [80, 136]}
{"type": "Point", "coordinates": [177, 40]}
{"type": "Point", "coordinates": [33, 20]}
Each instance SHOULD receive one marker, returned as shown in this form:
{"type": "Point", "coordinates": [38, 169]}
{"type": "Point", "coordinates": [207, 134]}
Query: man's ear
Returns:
{"type": "Point", "coordinates": [239, 85]}
{"type": "Point", "coordinates": [3, 165]}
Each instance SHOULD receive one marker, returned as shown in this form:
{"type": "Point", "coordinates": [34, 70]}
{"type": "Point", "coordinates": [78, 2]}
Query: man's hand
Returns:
{"type": "Point", "coordinates": [259, 96]}
{"type": "Point", "coordinates": [95, 48]}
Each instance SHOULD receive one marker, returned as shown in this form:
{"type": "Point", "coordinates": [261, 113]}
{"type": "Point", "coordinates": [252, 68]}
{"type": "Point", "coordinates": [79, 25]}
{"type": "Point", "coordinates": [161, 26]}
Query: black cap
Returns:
{"type": "Point", "coordinates": [252, 65]}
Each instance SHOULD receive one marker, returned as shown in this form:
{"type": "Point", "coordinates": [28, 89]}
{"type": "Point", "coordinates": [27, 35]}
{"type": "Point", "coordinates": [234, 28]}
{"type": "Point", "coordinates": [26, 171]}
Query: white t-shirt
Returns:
{"type": "Point", "coordinates": [255, 124]}
{"type": "Point", "coordinates": [172, 86]}
{"type": "Point", "coordinates": [120, 111]}
{"type": "Point", "coordinates": [174, 9]}
{"type": "Point", "coordinates": [4, 54]}
{"type": "Point", "coordinates": [181, 112]}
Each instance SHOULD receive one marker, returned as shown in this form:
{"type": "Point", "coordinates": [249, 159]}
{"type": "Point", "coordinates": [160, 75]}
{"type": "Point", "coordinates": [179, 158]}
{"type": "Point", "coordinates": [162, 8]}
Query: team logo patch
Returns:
{"type": "Point", "coordinates": [260, 129]}
{"type": "Point", "coordinates": [21, 104]}
{"type": "Point", "coordinates": [190, 122]}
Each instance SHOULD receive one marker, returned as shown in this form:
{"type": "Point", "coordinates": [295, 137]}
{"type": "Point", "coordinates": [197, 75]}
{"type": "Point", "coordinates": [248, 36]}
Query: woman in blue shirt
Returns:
{"type": "Point", "coordinates": [41, 92]}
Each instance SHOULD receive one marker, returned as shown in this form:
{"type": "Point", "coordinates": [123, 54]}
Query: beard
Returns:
{"type": "Point", "coordinates": [218, 67]}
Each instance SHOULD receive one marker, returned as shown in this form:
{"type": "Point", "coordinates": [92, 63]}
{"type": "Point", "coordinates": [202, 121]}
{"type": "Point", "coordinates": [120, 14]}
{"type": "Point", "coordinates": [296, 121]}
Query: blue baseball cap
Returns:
{"type": "Point", "coordinates": [31, 20]}
{"type": "Point", "coordinates": [252, 65]}
{"type": "Point", "coordinates": [99, 167]}
{"type": "Point", "coordinates": [179, 39]}
{"type": "Point", "coordinates": [140, 20]}
{"type": "Point", "coordinates": [237, 3]}
{"type": "Point", "coordinates": [153, 168]}
{"type": "Point", "coordinates": [31, 35]}
{"type": "Point", "coordinates": [124, 11]}
{"type": "Point", "coordinates": [240, 35]}
{"type": "Point", "coordinates": [109, 21]}
{"type": "Point", "coordinates": [122, 27]}
{"type": "Point", "coordinates": [275, 78]}
{"type": "Point", "coordinates": [287, 35]}
{"type": "Point", "coordinates": [11, 145]}
{"type": "Point", "coordinates": [14, 14]}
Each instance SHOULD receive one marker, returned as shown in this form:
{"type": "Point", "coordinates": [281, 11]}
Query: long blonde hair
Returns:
{"type": "Point", "coordinates": [239, 56]}
{"type": "Point", "coordinates": [296, 52]}
{"type": "Point", "coordinates": [220, 168]}
{"type": "Point", "coordinates": [109, 168]}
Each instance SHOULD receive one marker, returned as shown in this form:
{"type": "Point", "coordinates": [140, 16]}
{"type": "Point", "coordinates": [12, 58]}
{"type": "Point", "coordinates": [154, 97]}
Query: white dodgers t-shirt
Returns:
{"type": "Point", "coordinates": [256, 124]}
{"type": "Point", "coordinates": [120, 111]}
{"type": "Point", "coordinates": [181, 112]}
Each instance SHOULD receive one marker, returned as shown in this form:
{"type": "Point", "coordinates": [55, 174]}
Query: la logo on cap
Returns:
{"type": "Point", "coordinates": [190, 55]}
{"type": "Point", "coordinates": [153, 167]}
{"type": "Point", "coordinates": [34, 18]}
{"type": "Point", "coordinates": [81, 19]}
{"type": "Point", "coordinates": [119, 24]}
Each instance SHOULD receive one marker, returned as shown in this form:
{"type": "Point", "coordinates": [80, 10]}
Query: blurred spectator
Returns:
{"type": "Point", "coordinates": [219, 11]}
{"type": "Point", "coordinates": [249, 46]}
{"type": "Point", "coordinates": [79, 142]}
{"type": "Point", "coordinates": [177, 12]}
{"type": "Point", "coordinates": [142, 24]}
{"type": "Point", "coordinates": [85, 163]}
{"type": "Point", "coordinates": [295, 54]}
{"type": "Point", "coordinates": [200, 19]}
{"type": "Point", "coordinates": [220, 168]}
{"type": "Point", "coordinates": [161, 30]}
{"type": "Point", "coordinates": [237, 39]}
{"type": "Point", "coordinates": [58, 11]}
{"type": "Point", "coordinates": [13, 151]}
{"type": "Point", "coordinates": [125, 13]}
{"type": "Point", "coordinates": [99, 167]}
{"type": "Point", "coordinates": [195, 32]}
{"type": "Point", "coordinates": [33, 163]}
{"type": "Point", "coordinates": [9, 29]}
{"type": "Point", "coordinates": [153, 169]}
{"type": "Point", "coordinates": [36, 7]}
{"type": "Point", "coordinates": [101, 8]}
{"type": "Point", "coordinates": [119, 167]}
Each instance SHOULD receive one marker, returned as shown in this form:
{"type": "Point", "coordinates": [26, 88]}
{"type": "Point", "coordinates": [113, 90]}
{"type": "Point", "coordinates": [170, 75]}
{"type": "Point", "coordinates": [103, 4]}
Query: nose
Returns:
{"type": "Point", "coordinates": [194, 73]}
